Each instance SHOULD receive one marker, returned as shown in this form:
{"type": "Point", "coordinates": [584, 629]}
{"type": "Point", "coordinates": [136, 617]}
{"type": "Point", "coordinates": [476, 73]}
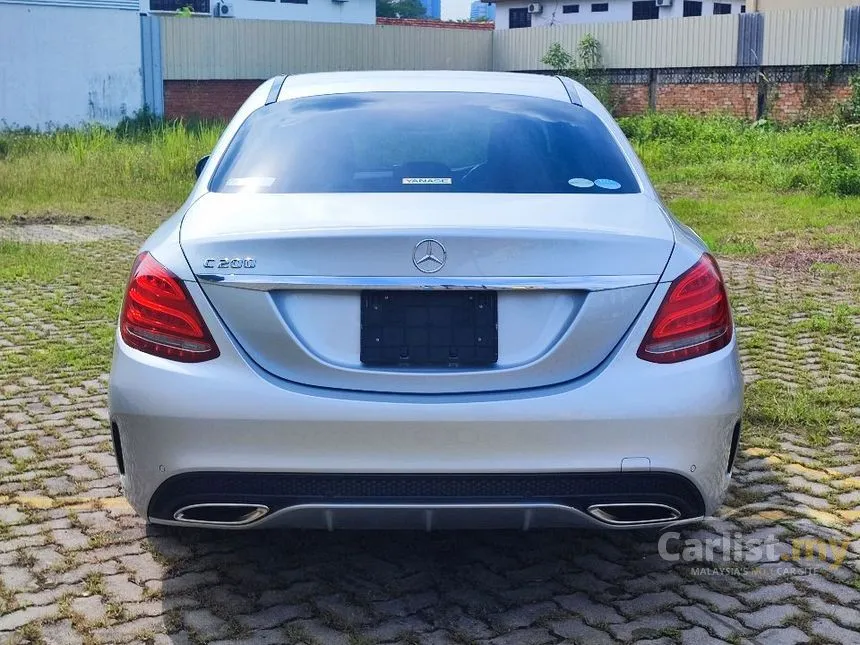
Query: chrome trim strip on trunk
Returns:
{"type": "Point", "coordinates": [560, 283]}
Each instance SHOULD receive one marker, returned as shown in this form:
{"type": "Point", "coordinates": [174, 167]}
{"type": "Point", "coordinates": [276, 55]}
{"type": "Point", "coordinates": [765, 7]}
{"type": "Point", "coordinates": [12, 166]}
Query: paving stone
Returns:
{"type": "Point", "coordinates": [593, 612]}
{"type": "Point", "coordinates": [650, 603]}
{"type": "Point", "coordinates": [525, 616]}
{"type": "Point", "coordinates": [826, 628]}
{"type": "Point", "coordinates": [23, 452]}
{"type": "Point", "coordinates": [187, 581]}
{"type": "Point", "coordinates": [120, 588]}
{"type": "Point", "coordinates": [21, 617]}
{"type": "Point", "coordinates": [274, 616]}
{"type": "Point", "coordinates": [143, 567]}
{"type": "Point", "coordinates": [719, 601]}
{"type": "Point", "coordinates": [320, 633]}
{"type": "Point", "coordinates": [71, 538]}
{"type": "Point", "coordinates": [723, 626]}
{"type": "Point", "coordinates": [59, 485]}
{"type": "Point", "coordinates": [391, 631]}
{"type": "Point", "coordinates": [129, 631]}
{"type": "Point", "coordinates": [203, 623]}
{"type": "Point", "coordinates": [843, 593]}
{"type": "Point", "coordinates": [847, 616]}
{"type": "Point", "coordinates": [261, 637]}
{"type": "Point", "coordinates": [698, 636]}
{"type": "Point", "coordinates": [10, 515]}
{"type": "Point", "coordinates": [61, 633]}
{"type": "Point", "coordinates": [576, 630]}
{"type": "Point", "coordinates": [534, 636]}
{"type": "Point", "coordinates": [17, 579]}
{"type": "Point", "coordinates": [768, 616]}
{"type": "Point", "coordinates": [92, 608]}
{"type": "Point", "coordinates": [782, 636]}
{"type": "Point", "coordinates": [645, 627]}
{"type": "Point", "coordinates": [770, 594]}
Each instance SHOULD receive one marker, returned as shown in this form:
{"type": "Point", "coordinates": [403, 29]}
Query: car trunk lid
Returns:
{"type": "Point", "coordinates": [286, 274]}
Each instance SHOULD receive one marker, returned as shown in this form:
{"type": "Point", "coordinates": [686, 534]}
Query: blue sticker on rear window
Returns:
{"type": "Point", "coordinates": [580, 182]}
{"type": "Point", "coordinates": [608, 184]}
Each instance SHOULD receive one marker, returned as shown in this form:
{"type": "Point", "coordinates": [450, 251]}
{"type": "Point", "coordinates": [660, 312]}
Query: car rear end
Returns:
{"type": "Point", "coordinates": [373, 314]}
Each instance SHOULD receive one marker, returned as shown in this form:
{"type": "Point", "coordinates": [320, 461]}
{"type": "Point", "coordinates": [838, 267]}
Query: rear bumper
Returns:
{"type": "Point", "coordinates": [225, 419]}
{"type": "Point", "coordinates": [432, 501]}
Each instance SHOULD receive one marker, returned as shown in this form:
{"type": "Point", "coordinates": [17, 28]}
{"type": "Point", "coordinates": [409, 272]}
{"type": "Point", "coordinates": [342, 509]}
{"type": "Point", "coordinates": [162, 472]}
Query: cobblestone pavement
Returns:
{"type": "Point", "coordinates": [77, 566]}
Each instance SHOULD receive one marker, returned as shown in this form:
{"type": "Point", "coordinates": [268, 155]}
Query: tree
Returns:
{"type": "Point", "coordinates": [400, 9]}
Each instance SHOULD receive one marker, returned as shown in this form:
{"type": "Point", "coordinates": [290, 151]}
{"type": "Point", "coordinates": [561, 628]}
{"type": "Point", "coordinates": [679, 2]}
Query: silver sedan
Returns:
{"type": "Point", "coordinates": [424, 300]}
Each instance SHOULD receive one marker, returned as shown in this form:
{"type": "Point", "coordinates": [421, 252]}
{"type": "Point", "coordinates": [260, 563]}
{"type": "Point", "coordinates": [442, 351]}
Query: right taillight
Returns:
{"type": "Point", "coordinates": [160, 318]}
{"type": "Point", "coordinates": [694, 318]}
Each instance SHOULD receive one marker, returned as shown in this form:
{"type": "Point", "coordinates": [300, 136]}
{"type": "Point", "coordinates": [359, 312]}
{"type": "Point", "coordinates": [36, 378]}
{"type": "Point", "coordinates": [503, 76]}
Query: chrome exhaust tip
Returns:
{"type": "Point", "coordinates": [221, 514]}
{"type": "Point", "coordinates": [634, 514]}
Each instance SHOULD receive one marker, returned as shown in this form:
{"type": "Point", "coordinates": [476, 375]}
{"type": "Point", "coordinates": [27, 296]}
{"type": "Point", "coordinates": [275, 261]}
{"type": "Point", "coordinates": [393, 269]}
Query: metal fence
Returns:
{"type": "Point", "coordinates": [679, 42]}
{"type": "Point", "coordinates": [199, 49]}
{"type": "Point", "coordinates": [256, 49]}
{"type": "Point", "coordinates": [804, 37]}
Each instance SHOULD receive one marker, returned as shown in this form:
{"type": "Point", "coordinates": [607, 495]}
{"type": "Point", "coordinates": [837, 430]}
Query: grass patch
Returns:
{"type": "Point", "coordinates": [31, 262]}
{"type": "Point", "coordinates": [771, 405]}
{"type": "Point", "coordinates": [123, 176]}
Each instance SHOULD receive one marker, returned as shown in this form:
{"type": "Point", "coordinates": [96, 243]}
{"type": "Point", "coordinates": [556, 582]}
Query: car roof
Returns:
{"type": "Point", "coordinates": [318, 84]}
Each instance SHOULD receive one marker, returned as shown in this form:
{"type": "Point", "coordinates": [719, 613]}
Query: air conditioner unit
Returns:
{"type": "Point", "coordinates": [223, 10]}
{"type": "Point", "coordinates": [535, 7]}
{"type": "Point", "coordinates": [664, 3]}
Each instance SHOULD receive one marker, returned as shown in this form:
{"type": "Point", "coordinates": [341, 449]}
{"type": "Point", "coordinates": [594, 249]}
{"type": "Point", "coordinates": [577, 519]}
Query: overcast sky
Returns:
{"type": "Point", "coordinates": [455, 9]}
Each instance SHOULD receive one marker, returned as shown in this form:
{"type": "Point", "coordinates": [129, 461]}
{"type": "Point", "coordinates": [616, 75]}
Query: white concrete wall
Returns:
{"type": "Point", "coordinates": [354, 11]}
{"type": "Point", "coordinates": [68, 65]}
{"type": "Point", "coordinates": [619, 11]}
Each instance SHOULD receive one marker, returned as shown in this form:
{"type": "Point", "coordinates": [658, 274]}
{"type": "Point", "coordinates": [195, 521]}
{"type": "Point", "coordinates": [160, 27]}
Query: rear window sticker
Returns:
{"type": "Point", "coordinates": [580, 182]}
{"type": "Point", "coordinates": [420, 181]}
{"type": "Point", "coordinates": [608, 184]}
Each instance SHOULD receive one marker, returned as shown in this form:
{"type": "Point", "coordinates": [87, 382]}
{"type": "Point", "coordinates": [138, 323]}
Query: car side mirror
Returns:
{"type": "Point", "coordinates": [198, 169]}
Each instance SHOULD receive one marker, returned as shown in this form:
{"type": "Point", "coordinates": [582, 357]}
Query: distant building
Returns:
{"type": "Point", "coordinates": [355, 11]}
{"type": "Point", "coordinates": [482, 11]}
{"type": "Point", "coordinates": [770, 5]}
{"type": "Point", "coordinates": [433, 8]}
{"type": "Point", "coordinates": [513, 14]}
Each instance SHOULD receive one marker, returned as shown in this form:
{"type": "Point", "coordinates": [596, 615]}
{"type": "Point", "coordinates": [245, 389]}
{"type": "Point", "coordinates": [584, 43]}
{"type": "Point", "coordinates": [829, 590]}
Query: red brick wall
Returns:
{"type": "Point", "coordinates": [206, 99]}
{"type": "Point", "coordinates": [786, 101]}
{"type": "Point", "coordinates": [794, 102]}
{"type": "Point", "coordinates": [630, 99]}
{"type": "Point", "coordinates": [737, 99]}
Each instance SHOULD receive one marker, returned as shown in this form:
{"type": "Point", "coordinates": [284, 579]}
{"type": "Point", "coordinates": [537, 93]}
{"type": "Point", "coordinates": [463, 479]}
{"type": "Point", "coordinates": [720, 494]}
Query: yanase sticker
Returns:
{"type": "Point", "coordinates": [418, 181]}
{"type": "Point", "coordinates": [608, 184]}
{"type": "Point", "coordinates": [580, 182]}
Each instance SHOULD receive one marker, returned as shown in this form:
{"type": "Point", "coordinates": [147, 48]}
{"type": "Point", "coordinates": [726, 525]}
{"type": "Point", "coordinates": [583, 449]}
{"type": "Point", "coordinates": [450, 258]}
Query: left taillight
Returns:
{"type": "Point", "coordinates": [160, 318]}
{"type": "Point", "coordinates": [694, 319]}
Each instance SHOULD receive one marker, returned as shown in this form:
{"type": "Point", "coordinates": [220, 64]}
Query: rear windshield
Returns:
{"type": "Point", "coordinates": [423, 142]}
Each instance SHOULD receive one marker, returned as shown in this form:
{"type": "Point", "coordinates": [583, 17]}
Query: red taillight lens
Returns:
{"type": "Point", "coordinates": [159, 317]}
{"type": "Point", "coordinates": [694, 319]}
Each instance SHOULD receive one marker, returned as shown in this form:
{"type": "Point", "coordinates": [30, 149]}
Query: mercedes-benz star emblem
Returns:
{"type": "Point", "coordinates": [429, 256]}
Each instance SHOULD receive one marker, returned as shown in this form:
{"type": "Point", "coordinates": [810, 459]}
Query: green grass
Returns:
{"type": "Point", "coordinates": [748, 189]}
{"type": "Point", "coordinates": [131, 178]}
{"type": "Point", "coordinates": [18, 262]}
